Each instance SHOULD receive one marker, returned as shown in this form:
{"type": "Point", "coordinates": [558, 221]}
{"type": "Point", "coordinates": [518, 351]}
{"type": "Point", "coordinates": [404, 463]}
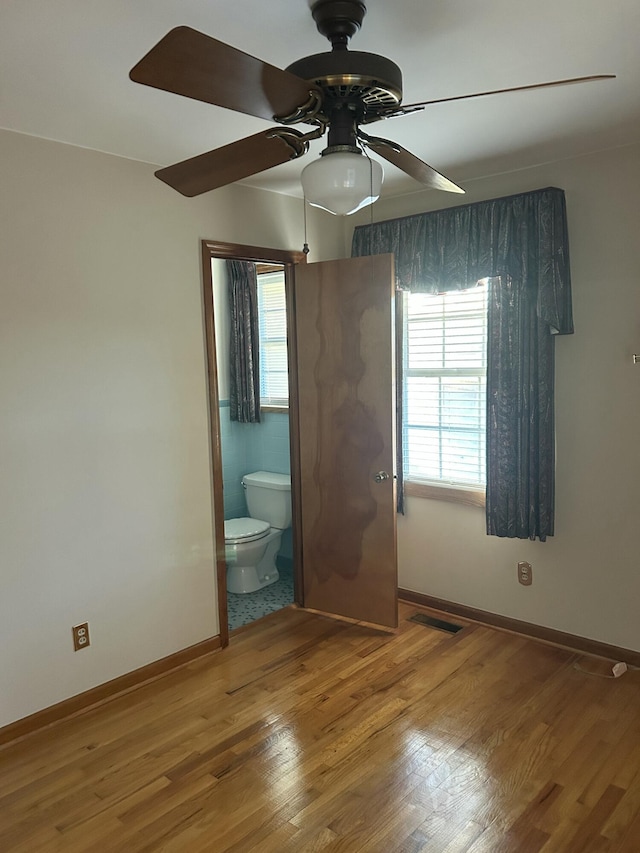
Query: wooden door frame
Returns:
{"type": "Point", "coordinates": [234, 251]}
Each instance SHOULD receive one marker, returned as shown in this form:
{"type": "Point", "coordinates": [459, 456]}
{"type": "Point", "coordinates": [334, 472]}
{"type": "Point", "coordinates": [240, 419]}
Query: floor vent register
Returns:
{"type": "Point", "coordinates": [432, 622]}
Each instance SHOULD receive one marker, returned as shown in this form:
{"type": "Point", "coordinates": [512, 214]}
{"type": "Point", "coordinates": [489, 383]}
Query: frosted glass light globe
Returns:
{"type": "Point", "coordinates": [342, 182]}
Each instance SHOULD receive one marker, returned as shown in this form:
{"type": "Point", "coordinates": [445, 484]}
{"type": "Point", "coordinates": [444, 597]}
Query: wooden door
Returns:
{"type": "Point", "coordinates": [346, 411]}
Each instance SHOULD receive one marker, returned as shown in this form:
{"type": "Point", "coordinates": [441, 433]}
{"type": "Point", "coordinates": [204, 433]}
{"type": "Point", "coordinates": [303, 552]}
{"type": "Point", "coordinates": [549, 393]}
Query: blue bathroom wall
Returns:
{"type": "Point", "coordinates": [234, 463]}
{"type": "Point", "coordinates": [268, 450]}
{"type": "Point", "coordinates": [251, 447]}
{"type": "Point", "coordinates": [268, 443]}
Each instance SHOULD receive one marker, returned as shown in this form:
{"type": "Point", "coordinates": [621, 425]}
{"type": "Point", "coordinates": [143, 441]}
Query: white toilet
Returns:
{"type": "Point", "coordinates": [252, 544]}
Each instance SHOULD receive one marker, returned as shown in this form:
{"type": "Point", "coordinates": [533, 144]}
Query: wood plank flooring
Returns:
{"type": "Point", "coordinates": [310, 734]}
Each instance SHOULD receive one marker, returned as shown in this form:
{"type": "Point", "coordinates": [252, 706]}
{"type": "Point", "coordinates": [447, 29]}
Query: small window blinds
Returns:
{"type": "Point", "coordinates": [272, 324]}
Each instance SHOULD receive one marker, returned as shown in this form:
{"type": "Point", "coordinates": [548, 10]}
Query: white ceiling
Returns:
{"type": "Point", "coordinates": [64, 75]}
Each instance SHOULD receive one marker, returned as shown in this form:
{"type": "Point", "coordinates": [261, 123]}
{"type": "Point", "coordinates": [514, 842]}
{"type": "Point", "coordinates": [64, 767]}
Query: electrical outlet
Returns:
{"type": "Point", "coordinates": [81, 636]}
{"type": "Point", "coordinates": [525, 573]}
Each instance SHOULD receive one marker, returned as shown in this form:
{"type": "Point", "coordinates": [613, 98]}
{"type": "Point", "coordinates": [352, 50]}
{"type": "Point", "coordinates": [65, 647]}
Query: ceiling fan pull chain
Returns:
{"type": "Point", "coordinates": [305, 247]}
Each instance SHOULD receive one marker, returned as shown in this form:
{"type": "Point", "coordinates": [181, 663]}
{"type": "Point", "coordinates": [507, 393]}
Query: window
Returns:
{"type": "Point", "coordinates": [445, 358]}
{"type": "Point", "coordinates": [272, 327]}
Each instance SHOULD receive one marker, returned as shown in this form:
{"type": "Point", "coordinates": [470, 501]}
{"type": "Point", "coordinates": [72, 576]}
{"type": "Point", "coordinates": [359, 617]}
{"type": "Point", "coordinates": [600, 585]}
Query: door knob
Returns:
{"type": "Point", "coordinates": [381, 476]}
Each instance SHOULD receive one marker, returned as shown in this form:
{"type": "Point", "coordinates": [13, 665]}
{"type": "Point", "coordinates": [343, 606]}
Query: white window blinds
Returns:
{"type": "Point", "coordinates": [272, 325]}
{"type": "Point", "coordinates": [445, 346]}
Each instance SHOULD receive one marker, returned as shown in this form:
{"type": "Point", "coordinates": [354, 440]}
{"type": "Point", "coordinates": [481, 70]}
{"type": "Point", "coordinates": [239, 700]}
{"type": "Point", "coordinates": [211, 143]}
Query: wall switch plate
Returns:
{"type": "Point", "coordinates": [525, 573]}
{"type": "Point", "coordinates": [81, 636]}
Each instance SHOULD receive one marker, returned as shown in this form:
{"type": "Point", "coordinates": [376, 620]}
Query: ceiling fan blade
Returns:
{"type": "Point", "coordinates": [408, 108]}
{"type": "Point", "coordinates": [409, 163]}
{"type": "Point", "coordinates": [197, 66]}
{"type": "Point", "coordinates": [233, 162]}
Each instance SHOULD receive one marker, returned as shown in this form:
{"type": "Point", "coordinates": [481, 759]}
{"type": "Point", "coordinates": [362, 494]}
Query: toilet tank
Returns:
{"type": "Point", "coordinates": [269, 497]}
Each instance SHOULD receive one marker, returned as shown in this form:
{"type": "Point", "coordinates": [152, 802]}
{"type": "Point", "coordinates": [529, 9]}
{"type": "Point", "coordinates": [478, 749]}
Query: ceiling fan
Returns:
{"type": "Point", "coordinates": [336, 92]}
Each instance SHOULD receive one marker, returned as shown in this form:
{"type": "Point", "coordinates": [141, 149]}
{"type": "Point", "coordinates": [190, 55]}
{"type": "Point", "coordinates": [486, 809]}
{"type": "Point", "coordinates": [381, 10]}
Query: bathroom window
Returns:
{"type": "Point", "coordinates": [445, 358]}
{"type": "Point", "coordinates": [272, 325]}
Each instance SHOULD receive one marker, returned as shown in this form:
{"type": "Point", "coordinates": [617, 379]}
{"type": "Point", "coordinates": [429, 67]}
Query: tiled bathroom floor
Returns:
{"type": "Point", "coordinates": [252, 605]}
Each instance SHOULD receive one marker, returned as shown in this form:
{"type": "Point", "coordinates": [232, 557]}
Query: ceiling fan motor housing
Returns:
{"type": "Point", "coordinates": [365, 78]}
{"type": "Point", "coordinates": [365, 81]}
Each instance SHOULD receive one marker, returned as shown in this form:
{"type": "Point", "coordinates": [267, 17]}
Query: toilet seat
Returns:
{"type": "Point", "coordinates": [238, 530]}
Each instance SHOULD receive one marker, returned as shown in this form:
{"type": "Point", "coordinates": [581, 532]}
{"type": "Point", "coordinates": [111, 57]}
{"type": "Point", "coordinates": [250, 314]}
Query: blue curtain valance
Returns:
{"type": "Point", "coordinates": [522, 237]}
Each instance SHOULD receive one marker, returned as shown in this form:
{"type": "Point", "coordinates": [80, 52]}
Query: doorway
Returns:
{"type": "Point", "coordinates": [262, 445]}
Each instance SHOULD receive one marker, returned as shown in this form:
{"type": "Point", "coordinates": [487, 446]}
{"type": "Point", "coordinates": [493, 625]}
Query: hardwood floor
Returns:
{"type": "Point", "coordinates": [309, 734]}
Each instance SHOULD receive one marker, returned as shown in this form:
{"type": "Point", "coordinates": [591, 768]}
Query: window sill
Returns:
{"type": "Point", "coordinates": [455, 494]}
{"type": "Point", "coordinates": [281, 409]}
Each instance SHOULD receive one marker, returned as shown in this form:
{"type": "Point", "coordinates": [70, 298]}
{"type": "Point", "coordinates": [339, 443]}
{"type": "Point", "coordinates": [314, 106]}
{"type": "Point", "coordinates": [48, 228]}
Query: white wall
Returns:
{"type": "Point", "coordinates": [105, 508]}
{"type": "Point", "coordinates": [587, 578]}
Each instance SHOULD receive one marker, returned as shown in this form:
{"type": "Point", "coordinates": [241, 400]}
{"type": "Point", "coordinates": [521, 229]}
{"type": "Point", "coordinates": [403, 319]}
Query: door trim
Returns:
{"type": "Point", "coordinates": [235, 251]}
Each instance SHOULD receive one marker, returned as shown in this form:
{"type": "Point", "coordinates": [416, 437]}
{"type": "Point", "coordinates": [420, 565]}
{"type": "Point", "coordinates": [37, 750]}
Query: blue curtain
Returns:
{"type": "Point", "coordinates": [244, 373]}
{"type": "Point", "coordinates": [521, 242]}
